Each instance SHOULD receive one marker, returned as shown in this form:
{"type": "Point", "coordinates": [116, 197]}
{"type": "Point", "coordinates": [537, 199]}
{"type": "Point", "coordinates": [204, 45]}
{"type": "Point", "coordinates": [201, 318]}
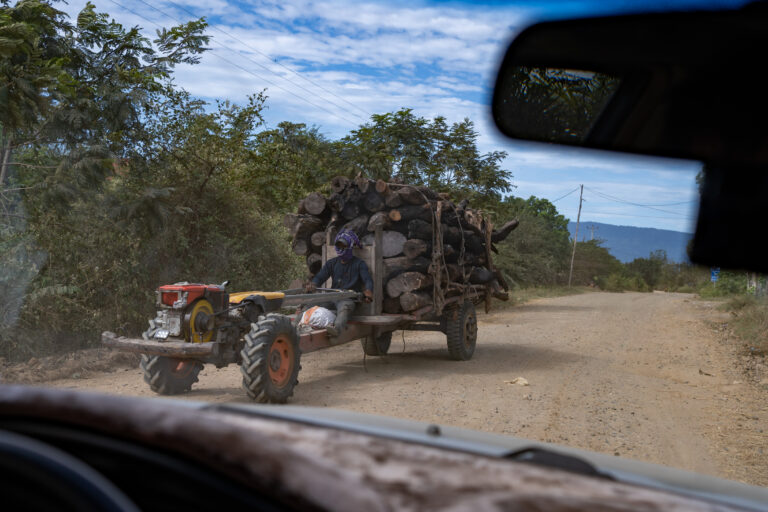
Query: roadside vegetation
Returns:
{"type": "Point", "coordinates": [113, 180]}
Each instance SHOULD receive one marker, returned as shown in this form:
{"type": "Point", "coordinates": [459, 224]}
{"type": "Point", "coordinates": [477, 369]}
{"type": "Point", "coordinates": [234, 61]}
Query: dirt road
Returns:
{"type": "Point", "coordinates": [644, 376]}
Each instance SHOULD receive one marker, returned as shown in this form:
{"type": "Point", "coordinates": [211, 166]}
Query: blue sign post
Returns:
{"type": "Point", "coordinates": [714, 273]}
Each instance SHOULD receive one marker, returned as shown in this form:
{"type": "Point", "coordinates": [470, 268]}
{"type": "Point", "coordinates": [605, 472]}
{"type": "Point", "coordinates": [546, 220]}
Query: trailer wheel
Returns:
{"type": "Point", "coordinates": [378, 346]}
{"type": "Point", "coordinates": [461, 331]}
{"type": "Point", "coordinates": [169, 376]}
{"type": "Point", "coordinates": [270, 360]}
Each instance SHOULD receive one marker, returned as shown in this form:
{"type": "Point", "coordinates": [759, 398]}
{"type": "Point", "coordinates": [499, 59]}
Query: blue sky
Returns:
{"type": "Point", "coordinates": [333, 63]}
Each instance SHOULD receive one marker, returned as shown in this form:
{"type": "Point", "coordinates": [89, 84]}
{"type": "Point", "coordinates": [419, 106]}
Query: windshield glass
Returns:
{"type": "Point", "coordinates": [205, 200]}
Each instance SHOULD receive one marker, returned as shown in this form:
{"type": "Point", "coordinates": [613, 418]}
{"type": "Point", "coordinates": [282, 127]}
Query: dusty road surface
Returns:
{"type": "Point", "coordinates": [644, 376]}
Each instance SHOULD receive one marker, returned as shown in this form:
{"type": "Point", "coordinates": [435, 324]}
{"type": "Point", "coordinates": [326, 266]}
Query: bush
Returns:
{"type": "Point", "coordinates": [750, 322]}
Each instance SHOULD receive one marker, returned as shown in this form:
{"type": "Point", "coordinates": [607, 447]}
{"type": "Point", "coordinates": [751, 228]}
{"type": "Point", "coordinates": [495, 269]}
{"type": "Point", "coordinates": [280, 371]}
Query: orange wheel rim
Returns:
{"type": "Point", "coordinates": [281, 360]}
{"type": "Point", "coordinates": [182, 368]}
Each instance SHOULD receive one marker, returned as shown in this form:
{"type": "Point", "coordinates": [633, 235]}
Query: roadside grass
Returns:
{"type": "Point", "coordinates": [750, 321]}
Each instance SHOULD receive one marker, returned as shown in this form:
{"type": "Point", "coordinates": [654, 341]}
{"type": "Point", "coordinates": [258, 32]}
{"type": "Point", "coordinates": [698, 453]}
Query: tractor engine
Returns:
{"type": "Point", "coordinates": [188, 311]}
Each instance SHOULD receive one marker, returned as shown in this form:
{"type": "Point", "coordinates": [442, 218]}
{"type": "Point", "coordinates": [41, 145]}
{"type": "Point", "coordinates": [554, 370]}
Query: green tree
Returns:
{"type": "Point", "coordinates": [402, 146]}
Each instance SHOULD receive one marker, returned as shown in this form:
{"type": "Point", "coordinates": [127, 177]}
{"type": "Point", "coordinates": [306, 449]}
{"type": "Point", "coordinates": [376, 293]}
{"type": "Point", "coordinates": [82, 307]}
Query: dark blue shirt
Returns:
{"type": "Point", "coordinates": [352, 275]}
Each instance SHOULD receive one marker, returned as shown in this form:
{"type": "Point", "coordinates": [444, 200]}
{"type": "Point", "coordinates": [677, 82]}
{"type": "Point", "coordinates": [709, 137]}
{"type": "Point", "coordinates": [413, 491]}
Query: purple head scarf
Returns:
{"type": "Point", "coordinates": [350, 238]}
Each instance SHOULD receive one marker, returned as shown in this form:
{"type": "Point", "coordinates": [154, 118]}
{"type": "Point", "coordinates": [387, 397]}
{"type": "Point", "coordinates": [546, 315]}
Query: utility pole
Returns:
{"type": "Point", "coordinates": [592, 229]}
{"type": "Point", "coordinates": [575, 236]}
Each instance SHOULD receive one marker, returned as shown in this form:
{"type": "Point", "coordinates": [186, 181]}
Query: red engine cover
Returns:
{"type": "Point", "coordinates": [170, 293]}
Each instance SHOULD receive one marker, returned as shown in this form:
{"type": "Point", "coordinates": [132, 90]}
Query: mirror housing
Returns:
{"type": "Point", "coordinates": [681, 85]}
{"type": "Point", "coordinates": [685, 84]}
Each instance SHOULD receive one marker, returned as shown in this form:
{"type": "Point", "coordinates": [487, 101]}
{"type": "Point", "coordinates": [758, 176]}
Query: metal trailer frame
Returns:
{"type": "Point", "coordinates": [368, 320]}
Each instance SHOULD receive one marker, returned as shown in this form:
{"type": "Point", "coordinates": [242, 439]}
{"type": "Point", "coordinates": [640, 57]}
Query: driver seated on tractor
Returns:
{"type": "Point", "coordinates": [347, 272]}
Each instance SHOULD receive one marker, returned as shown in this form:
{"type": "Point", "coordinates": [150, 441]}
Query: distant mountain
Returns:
{"type": "Point", "coordinates": [628, 242]}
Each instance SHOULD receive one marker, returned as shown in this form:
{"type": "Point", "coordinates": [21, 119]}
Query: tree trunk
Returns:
{"type": "Point", "coordinates": [318, 239]}
{"type": "Point", "coordinates": [418, 228]}
{"type": "Point", "coordinates": [306, 225]}
{"type": "Point", "coordinates": [314, 203]}
{"type": "Point", "coordinates": [350, 211]}
{"type": "Point", "coordinates": [336, 202]}
{"type": "Point", "coordinates": [400, 264]}
{"type": "Point", "coordinates": [391, 305]}
{"type": "Point", "coordinates": [410, 212]}
{"type": "Point", "coordinates": [416, 247]}
{"type": "Point", "coordinates": [373, 201]}
{"type": "Point", "coordinates": [6, 160]}
{"type": "Point", "coordinates": [412, 301]}
{"type": "Point", "coordinates": [339, 184]}
{"type": "Point", "coordinates": [382, 187]}
{"type": "Point", "coordinates": [314, 263]}
{"type": "Point", "coordinates": [391, 243]}
{"type": "Point", "coordinates": [359, 225]}
{"type": "Point", "coordinates": [480, 275]}
{"type": "Point", "coordinates": [407, 282]}
{"type": "Point", "coordinates": [503, 232]}
{"type": "Point", "coordinates": [411, 195]}
{"type": "Point", "coordinates": [300, 247]}
{"type": "Point", "coordinates": [393, 199]}
{"type": "Point", "coordinates": [363, 184]}
{"type": "Point", "coordinates": [379, 220]}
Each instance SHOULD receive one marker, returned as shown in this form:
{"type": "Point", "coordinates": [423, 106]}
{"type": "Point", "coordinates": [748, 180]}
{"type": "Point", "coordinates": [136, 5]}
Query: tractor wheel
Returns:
{"type": "Point", "coordinates": [169, 376]}
{"type": "Point", "coordinates": [377, 346]}
{"type": "Point", "coordinates": [461, 331]}
{"type": "Point", "coordinates": [270, 360]}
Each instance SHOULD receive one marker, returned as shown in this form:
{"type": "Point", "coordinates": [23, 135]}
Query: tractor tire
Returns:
{"type": "Point", "coordinates": [271, 360]}
{"type": "Point", "coordinates": [377, 346]}
{"type": "Point", "coordinates": [169, 376]}
{"type": "Point", "coordinates": [461, 331]}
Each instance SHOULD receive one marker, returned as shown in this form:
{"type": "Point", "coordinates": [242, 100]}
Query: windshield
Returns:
{"type": "Point", "coordinates": [189, 183]}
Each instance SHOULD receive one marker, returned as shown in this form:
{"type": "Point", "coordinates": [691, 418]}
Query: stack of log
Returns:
{"type": "Point", "coordinates": [432, 248]}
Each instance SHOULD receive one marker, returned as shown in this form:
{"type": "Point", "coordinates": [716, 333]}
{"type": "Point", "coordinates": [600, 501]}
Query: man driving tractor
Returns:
{"type": "Point", "coordinates": [347, 272]}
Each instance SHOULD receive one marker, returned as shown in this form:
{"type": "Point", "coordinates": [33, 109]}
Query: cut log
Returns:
{"type": "Point", "coordinates": [306, 225]}
{"type": "Point", "coordinates": [412, 301]}
{"type": "Point", "coordinates": [391, 243]}
{"type": "Point", "coordinates": [416, 247]}
{"type": "Point", "coordinates": [418, 228]}
{"type": "Point", "coordinates": [314, 203]}
{"type": "Point", "coordinates": [359, 225]}
{"type": "Point", "coordinates": [480, 275]}
{"type": "Point", "coordinates": [391, 305]}
{"type": "Point", "coordinates": [411, 195]}
{"type": "Point", "coordinates": [373, 202]}
{"type": "Point", "coordinates": [474, 221]}
{"type": "Point", "coordinates": [300, 247]}
{"type": "Point", "coordinates": [335, 202]}
{"type": "Point", "coordinates": [407, 282]}
{"type": "Point", "coordinates": [382, 187]}
{"type": "Point", "coordinates": [314, 263]}
{"type": "Point", "coordinates": [290, 220]}
{"type": "Point", "coordinates": [400, 264]}
{"type": "Point", "coordinates": [317, 239]}
{"type": "Point", "coordinates": [393, 199]}
{"type": "Point", "coordinates": [504, 231]}
{"type": "Point", "coordinates": [339, 184]}
{"type": "Point", "coordinates": [350, 210]}
{"type": "Point", "coordinates": [364, 184]}
{"type": "Point", "coordinates": [379, 220]}
{"type": "Point", "coordinates": [410, 212]}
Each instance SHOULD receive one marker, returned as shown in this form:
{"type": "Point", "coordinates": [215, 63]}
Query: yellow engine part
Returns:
{"type": "Point", "coordinates": [199, 306]}
{"type": "Point", "coordinates": [235, 298]}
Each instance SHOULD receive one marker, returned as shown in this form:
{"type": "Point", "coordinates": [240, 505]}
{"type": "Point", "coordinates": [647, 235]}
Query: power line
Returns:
{"type": "Point", "coordinates": [566, 195]}
{"type": "Point", "coordinates": [619, 200]}
{"type": "Point", "coordinates": [642, 216]}
{"type": "Point", "coordinates": [242, 68]}
{"type": "Point", "coordinates": [367, 114]}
